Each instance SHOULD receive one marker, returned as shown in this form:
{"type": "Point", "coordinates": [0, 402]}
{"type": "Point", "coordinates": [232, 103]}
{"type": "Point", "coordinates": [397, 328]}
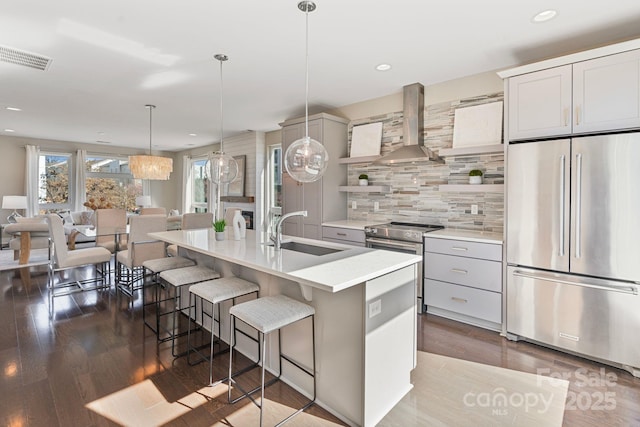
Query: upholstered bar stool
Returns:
{"type": "Point", "coordinates": [174, 280]}
{"type": "Point", "coordinates": [266, 315]}
{"type": "Point", "coordinates": [214, 292]}
{"type": "Point", "coordinates": [155, 267]}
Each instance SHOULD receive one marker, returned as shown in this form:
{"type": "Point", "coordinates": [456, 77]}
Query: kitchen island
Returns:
{"type": "Point", "coordinates": [365, 327]}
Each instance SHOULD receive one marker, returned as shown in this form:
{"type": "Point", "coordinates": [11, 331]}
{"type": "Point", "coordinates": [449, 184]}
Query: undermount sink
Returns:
{"type": "Point", "coordinates": [307, 249]}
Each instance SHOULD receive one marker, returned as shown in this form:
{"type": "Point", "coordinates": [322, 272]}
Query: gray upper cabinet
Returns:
{"type": "Point", "coordinates": [606, 93]}
{"type": "Point", "coordinates": [595, 95]}
{"type": "Point", "coordinates": [321, 199]}
{"type": "Point", "coordinates": [540, 104]}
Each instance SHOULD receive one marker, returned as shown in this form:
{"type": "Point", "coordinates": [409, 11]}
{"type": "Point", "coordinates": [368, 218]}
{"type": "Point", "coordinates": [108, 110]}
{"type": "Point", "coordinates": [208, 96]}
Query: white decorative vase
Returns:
{"type": "Point", "coordinates": [363, 182]}
{"type": "Point", "coordinates": [239, 226]}
{"type": "Point", "coordinates": [219, 235]}
{"type": "Point", "coordinates": [475, 180]}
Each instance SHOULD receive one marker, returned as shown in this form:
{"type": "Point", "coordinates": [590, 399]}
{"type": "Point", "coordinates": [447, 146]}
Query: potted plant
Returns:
{"type": "Point", "coordinates": [363, 179]}
{"type": "Point", "coordinates": [219, 227]}
{"type": "Point", "coordinates": [475, 176]}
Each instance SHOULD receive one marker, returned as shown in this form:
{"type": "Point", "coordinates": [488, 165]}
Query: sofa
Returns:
{"type": "Point", "coordinates": [73, 221]}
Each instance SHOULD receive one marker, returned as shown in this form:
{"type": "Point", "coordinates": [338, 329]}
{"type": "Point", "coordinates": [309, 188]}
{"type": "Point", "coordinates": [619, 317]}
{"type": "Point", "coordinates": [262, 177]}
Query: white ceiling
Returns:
{"type": "Point", "coordinates": [110, 58]}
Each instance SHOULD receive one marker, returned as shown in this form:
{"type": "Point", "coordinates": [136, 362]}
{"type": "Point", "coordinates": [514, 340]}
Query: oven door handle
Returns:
{"type": "Point", "coordinates": [393, 243]}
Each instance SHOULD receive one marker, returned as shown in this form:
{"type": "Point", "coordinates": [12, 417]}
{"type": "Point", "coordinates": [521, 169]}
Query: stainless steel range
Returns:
{"type": "Point", "coordinates": [404, 237]}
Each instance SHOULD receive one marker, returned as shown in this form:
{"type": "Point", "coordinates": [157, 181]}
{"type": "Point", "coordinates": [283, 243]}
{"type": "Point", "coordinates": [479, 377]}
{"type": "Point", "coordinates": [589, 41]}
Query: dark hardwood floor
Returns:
{"type": "Point", "coordinates": [98, 345]}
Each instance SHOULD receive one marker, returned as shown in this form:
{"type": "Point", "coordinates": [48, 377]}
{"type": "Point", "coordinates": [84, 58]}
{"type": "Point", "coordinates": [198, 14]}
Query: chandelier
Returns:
{"type": "Point", "coordinates": [150, 167]}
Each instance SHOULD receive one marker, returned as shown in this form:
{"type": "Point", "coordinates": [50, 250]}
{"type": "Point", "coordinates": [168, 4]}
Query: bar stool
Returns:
{"type": "Point", "coordinates": [214, 292]}
{"type": "Point", "coordinates": [156, 266]}
{"type": "Point", "coordinates": [266, 315]}
{"type": "Point", "coordinates": [176, 279]}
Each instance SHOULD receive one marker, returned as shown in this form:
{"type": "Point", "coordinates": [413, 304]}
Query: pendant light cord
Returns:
{"type": "Point", "coordinates": [150, 107]}
{"type": "Point", "coordinates": [306, 83]}
{"type": "Point", "coordinates": [221, 107]}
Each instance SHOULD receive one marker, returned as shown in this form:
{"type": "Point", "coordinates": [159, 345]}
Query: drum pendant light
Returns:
{"type": "Point", "coordinates": [224, 168]}
{"type": "Point", "coordinates": [306, 159]}
{"type": "Point", "coordinates": [150, 167]}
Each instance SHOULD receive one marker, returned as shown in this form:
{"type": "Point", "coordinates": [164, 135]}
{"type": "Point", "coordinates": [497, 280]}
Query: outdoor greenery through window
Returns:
{"type": "Point", "coordinates": [54, 182]}
{"type": "Point", "coordinates": [200, 185]}
{"type": "Point", "coordinates": [110, 184]}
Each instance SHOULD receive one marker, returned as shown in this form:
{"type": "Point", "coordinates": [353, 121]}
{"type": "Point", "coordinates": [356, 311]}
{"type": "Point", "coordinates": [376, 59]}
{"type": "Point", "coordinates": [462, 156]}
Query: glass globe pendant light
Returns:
{"type": "Point", "coordinates": [306, 159]}
{"type": "Point", "coordinates": [223, 167]}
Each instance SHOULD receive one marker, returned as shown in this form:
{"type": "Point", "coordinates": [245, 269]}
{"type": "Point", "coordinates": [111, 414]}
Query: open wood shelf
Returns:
{"type": "Point", "coordinates": [362, 159]}
{"type": "Point", "coordinates": [472, 188]}
{"type": "Point", "coordinates": [365, 188]}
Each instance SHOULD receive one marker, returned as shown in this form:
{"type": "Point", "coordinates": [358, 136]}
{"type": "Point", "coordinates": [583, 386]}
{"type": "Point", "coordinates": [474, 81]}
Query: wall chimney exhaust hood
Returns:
{"type": "Point", "coordinates": [413, 149]}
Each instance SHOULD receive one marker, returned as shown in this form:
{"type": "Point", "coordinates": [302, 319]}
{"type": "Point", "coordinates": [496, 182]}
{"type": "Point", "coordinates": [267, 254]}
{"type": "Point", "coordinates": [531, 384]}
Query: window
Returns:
{"type": "Point", "coordinates": [199, 185]}
{"type": "Point", "coordinates": [110, 184]}
{"type": "Point", "coordinates": [274, 185]}
{"type": "Point", "coordinates": [54, 182]}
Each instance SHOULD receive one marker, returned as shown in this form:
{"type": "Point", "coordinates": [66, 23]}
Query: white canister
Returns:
{"type": "Point", "coordinates": [239, 226]}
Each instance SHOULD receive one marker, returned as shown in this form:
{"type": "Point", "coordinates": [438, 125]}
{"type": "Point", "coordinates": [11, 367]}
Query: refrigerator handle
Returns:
{"type": "Point", "coordinates": [562, 204]}
{"type": "Point", "coordinates": [578, 203]}
{"type": "Point", "coordinates": [626, 289]}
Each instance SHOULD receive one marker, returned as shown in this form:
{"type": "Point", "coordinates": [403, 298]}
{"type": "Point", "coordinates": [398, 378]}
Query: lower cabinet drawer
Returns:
{"type": "Point", "coordinates": [478, 273]}
{"type": "Point", "coordinates": [343, 235]}
{"type": "Point", "coordinates": [477, 303]}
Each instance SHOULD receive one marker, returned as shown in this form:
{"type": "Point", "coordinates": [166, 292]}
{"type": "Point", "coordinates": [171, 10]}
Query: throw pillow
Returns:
{"type": "Point", "coordinates": [86, 218]}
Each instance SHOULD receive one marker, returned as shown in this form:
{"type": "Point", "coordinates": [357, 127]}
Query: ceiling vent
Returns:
{"type": "Point", "coordinates": [20, 57]}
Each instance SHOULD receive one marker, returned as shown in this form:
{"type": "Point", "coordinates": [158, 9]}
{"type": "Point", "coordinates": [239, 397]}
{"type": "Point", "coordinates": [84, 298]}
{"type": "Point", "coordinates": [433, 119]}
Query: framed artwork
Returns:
{"type": "Point", "coordinates": [236, 187]}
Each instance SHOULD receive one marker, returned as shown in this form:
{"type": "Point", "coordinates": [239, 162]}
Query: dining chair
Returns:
{"type": "Point", "coordinates": [192, 221]}
{"type": "Point", "coordinates": [153, 211]}
{"type": "Point", "coordinates": [110, 220]}
{"type": "Point", "coordinates": [141, 248]}
{"type": "Point", "coordinates": [64, 259]}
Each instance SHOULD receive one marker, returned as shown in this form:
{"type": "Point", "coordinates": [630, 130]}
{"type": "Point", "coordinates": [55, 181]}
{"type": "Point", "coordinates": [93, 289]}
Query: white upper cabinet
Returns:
{"type": "Point", "coordinates": [540, 104]}
{"type": "Point", "coordinates": [594, 95]}
{"type": "Point", "coordinates": [606, 93]}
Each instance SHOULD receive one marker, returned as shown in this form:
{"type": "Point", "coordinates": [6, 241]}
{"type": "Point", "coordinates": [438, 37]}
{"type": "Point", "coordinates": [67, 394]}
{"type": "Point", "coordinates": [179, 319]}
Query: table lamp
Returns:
{"type": "Point", "coordinates": [14, 202]}
{"type": "Point", "coordinates": [143, 201]}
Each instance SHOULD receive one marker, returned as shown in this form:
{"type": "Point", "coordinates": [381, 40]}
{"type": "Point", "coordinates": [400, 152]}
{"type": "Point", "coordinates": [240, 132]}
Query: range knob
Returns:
{"type": "Point", "coordinates": [371, 230]}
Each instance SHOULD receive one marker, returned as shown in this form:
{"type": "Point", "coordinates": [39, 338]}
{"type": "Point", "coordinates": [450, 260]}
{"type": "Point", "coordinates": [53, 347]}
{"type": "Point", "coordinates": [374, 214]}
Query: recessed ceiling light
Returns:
{"type": "Point", "coordinates": [100, 133]}
{"type": "Point", "coordinates": [9, 130]}
{"type": "Point", "coordinates": [193, 134]}
{"type": "Point", "coordinates": [14, 109]}
{"type": "Point", "coordinates": [544, 16]}
{"type": "Point", "coordinates": [383, 67]}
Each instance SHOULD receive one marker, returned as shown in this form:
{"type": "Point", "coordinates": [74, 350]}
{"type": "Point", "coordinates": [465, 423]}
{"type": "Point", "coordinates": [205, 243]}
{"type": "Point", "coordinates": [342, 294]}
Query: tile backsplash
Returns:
{"type": "Point", "coordinates": [415, 192]}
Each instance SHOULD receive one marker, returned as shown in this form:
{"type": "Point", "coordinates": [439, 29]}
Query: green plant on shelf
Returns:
{"type": "Point", "coordinates": [363, 176]}
{"type": "Point", "coordinates": [475, 172]}
{"type": "Point", "coordinates": [219, 225]}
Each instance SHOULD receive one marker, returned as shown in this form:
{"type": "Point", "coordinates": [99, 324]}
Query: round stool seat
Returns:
{"type": "Point", "coordinates": [219, 290]}
{"type": "Point", "coordinates": [267, 314]}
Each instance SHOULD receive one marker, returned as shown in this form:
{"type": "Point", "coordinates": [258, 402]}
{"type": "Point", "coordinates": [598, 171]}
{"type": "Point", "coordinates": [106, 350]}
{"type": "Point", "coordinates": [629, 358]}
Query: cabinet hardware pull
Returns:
{"type": "Point", "coordinates": [456, 299]}
{"type": "Point", "coordinates": [578, 205]}
{"type": "Point", "coordinates": [577, 115]}
{"type": "Point", "coordinates": [459, 248]}
{"type": "Point", "coordinates": [341, 234]}
{"type": "Point", "coordinates": [458, 270]}
{"type": "Point", "coordinates": [566, 116]}
{"type": "Point", "coordinates": [562, 203]}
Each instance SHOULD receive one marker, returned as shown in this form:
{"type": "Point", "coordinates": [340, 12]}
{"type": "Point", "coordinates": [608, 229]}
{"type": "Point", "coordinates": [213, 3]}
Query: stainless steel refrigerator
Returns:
{"type": "Point", "coordinates": [573, 245]}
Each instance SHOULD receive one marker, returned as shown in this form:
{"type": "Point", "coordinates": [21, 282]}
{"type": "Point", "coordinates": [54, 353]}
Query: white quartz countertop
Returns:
{"type": "Point", "coordinates": [468, 235]}
{"type": "Point", "coordinates": [332, 272]}
{"type": "Point", "coordinates": [348, 223]}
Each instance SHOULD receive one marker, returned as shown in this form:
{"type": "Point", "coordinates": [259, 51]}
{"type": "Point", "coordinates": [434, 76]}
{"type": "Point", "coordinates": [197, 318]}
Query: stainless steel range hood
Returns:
{"type": "Point", "coordinates": [413, 130]}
